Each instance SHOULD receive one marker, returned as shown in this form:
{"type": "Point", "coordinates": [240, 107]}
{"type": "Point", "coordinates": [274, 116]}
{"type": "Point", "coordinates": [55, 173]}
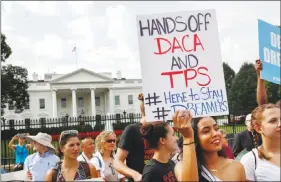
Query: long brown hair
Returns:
{"type": "Point", "coordinates": [256, 119]}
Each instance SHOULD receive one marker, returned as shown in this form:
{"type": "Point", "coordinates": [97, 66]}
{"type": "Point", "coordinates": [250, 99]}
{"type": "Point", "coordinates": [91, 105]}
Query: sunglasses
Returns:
{"type": "Point", "coordinates": [68, 132]}
{"type": "Point", "coordinates": [110, 141]}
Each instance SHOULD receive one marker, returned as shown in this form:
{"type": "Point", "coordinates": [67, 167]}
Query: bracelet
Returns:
{"type": "Point", "coordinates": [189, 143]}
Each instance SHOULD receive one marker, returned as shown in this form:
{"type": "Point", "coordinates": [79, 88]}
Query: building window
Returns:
{"type": "Point", "coordinates": [63, 102]}
{"type": "Point", "coordinates": [97, 101]}
{"type": "Point", "coordinates": [130, 99]}
{"type": "Point", "coordinates": [27, 123]}
{"type": "Point", "coordinates": [118, 118]}
{"type": "Point", "coordinates": [43, 122]}
{"type": "Point", "coordinates": [42, 103]}
{"type": "Point", "coordinates": [117, 100]}
{"type": "Point", "coordinates": [11, 106]}
{"type": "Point", "coordinates": [12, 124]}
{"type": "Point", "coordinates": [131, 116]}
{"type": "Point", "coordinates": [27, 106]}
{"type": "Point", "coordinates": [80, 102]}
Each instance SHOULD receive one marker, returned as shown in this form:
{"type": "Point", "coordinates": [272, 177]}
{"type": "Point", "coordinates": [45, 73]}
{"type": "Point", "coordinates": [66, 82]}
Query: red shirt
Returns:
{"type": "Point", "coordinates": [228, 151]}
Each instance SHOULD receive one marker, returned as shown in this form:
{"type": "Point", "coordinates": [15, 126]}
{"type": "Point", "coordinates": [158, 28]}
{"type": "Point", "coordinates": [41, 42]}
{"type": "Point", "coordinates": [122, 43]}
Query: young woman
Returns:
{"type": "Point", "coordinates": [160, 137]}
{"type": "Point", "coordinates": [104, 156]}
{"type": "Point", "coordinates": [211, 161]}
{"type": "Point", "coordinates": [21, 150]}
{"type": "Point", "coordinates": [70, 168]}
{"type": "Point", "coordinates": [263, 162]}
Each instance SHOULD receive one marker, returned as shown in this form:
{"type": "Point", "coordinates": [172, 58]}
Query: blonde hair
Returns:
{"type": "Point", "coordinates": [256, 119]}
{"type": "Point", "coordinates": [101, 139]}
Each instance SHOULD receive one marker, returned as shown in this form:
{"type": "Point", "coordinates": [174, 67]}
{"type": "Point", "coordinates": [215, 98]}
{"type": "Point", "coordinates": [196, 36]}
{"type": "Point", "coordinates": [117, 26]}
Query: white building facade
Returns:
{"type": "Point", "coordinates": [79, 93]}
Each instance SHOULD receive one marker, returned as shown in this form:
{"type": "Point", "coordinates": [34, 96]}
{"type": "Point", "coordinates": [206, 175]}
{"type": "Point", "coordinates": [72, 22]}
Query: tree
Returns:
{"type": "Point", "coordinates": [14, 83]}
{"type": "Point", "coordinates": [273, 91]}
{"type": "Point", "coordinates": [6, 51]}
{"type": "Point", "coordinates": [242, 96]}
{"type": "Point", "coordinates": [229, 75]}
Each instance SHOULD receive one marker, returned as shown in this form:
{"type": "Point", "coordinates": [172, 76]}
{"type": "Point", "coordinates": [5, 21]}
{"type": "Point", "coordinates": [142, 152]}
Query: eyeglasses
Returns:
{"type": "Point", "coordinates": [68, 132]}
{"type": "Point", "coordinates": [110, 141]}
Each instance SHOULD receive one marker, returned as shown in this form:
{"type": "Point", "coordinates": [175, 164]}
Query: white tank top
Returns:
{"type": "Point", "coordinates": [262, 170]}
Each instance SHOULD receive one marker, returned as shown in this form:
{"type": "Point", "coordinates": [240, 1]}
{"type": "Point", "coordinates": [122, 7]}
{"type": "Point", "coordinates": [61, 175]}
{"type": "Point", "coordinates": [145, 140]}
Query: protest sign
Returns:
{"type": "Point", "coordinates": [269, 51]}
{"type": "Point", "coordinates": [92, 179]}
{"type": "Point", "coordinates": [14, 176]}
{"type": "Point", "coordinates": [181, 64]}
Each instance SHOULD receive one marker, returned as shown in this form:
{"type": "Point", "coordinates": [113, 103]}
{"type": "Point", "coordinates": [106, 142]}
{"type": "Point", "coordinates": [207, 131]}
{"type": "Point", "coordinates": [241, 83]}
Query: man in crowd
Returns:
{"type": "Point", "coordinates": [133, 148]}
{"type": "Point", "coordinates": [39, 163]}
{"type": "Point", "coordinates": [243, 142]}
{"type": "Point", "coordinates": [88, 147]}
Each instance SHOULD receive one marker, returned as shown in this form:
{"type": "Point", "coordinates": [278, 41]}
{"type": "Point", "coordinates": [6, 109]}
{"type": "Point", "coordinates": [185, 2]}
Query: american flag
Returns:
{"type": "Point", "coordinates": [74, 49]}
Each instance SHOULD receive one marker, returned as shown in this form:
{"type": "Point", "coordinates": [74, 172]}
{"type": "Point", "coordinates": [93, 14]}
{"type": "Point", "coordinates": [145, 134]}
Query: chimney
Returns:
{"type": "Point", "coordinates": [35, 77]}
{"type": "Point", "coordinates": [118, 75]}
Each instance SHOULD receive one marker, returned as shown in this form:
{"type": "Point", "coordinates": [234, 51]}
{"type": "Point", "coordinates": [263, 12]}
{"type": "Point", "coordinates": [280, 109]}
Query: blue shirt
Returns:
{"type": "Point", "coordinates": [21, 153]}
{"type": "Point", "coordinates": [2, 171]}
{"type": "Point", "coordinates": [39, 165]}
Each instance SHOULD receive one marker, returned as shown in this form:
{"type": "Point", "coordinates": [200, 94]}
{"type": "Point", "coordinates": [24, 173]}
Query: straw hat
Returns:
{"type": "Point", "coordinates": [42, 138]}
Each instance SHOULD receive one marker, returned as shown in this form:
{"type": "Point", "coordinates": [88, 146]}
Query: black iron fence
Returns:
{"type": "Point", "coordinates": [87, 126]}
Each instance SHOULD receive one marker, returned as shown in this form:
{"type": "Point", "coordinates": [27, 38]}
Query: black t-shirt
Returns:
{"type": "Point", "coordinates": [156, 171]}
{"type": "Point", "coordinates": [132, 141]}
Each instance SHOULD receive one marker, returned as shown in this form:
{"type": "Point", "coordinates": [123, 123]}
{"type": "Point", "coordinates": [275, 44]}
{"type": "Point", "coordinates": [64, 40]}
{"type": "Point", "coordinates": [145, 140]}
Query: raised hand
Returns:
{"type": "Point", "coordinates": [182, 121]}
{"type": "Point", "coordinates": [258, 67]}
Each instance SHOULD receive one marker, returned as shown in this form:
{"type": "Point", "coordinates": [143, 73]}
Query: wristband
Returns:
{"type": "Point", "coordinates": [189, 143]}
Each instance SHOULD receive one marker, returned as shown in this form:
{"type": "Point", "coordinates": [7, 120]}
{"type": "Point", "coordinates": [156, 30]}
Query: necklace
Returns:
{"type": "Point", "coordinates": [216, 170]}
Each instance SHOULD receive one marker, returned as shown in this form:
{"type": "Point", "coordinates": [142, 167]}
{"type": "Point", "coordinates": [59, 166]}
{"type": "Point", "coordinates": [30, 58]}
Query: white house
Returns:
{"type": "Point", "coordinates": [82, 92]}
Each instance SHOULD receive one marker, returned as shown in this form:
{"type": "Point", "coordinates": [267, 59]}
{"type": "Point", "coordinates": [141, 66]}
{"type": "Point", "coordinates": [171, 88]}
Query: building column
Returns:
{"type": "Point", "coordinates": [111, 101]}
{"type": "Point", "coordinates": [74, 106]}
{"type": "Point", "coordinates": [105, 103]}
{"type": "Point", "coordinates": [55, 110]}
{"type": "Point", "coordinates": [93, 101]}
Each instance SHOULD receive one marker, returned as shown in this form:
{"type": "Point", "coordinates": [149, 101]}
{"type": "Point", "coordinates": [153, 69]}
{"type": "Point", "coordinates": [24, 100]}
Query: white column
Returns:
{"type": "Point", "coordinates": [111, 101]}
{"type": "Point", "coordinates": [74, 106]}
{"type": "Point", "coordinates": [105, 103]}
{"type": "Point", "coordinates": [93, 101]}
{"type": "Point", "coordinates": [55, 111]}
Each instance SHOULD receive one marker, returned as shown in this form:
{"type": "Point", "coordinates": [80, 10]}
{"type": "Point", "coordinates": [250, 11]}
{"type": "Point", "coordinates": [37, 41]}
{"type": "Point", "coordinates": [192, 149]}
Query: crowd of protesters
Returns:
{"type": "Point", "coordinates": [153, 152]}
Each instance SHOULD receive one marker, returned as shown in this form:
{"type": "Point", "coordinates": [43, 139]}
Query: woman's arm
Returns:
{"type": "Point", "coordinates": [49, 176]}
{"type": "Point", "coordinates": [261, 91]}
{"type": "Point", "coordinates": [93, 171]}
{"type": "Point", "coordinates": [187, 169]}
{"type": "Point", "coordinates": [11, 143]}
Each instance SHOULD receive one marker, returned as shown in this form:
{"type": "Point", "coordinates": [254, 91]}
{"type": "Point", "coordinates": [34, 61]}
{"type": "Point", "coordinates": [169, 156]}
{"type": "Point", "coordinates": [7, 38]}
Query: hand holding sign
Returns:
{"type": "Point", "coordinates": [258, 67]}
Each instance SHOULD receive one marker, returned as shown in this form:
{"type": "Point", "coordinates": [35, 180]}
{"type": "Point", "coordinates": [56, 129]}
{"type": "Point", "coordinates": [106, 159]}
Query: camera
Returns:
{"type": "Point", "coordinates": [21, 135]}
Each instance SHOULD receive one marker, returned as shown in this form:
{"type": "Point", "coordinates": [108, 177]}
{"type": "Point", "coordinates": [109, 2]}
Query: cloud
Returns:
{"type": "Point", "coordinates": [51, 46]}
{"type": "Point", "coordinates": [80, 7]}
{"type": "Point", "coordinates": [46, 8]}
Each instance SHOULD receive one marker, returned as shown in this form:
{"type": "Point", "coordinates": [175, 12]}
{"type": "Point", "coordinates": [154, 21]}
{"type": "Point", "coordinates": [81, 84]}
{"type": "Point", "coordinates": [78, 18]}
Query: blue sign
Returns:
{"type": "Point", "coordinates": [269, 51]}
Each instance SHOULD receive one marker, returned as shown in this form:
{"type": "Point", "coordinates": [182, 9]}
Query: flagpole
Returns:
{"type": "Point", "coordinates": [76, 57]}
{"type": "Point", "coordinates": [74, 49]}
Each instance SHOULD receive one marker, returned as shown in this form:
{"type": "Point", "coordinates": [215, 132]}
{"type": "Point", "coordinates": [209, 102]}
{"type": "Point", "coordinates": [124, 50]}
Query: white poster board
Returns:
{"type": "Point", "coordinates": [181, 64]}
